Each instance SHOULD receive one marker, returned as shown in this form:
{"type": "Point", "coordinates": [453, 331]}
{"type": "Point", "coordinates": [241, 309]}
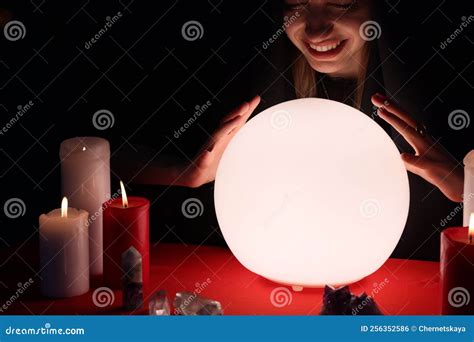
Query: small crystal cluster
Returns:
{"type": "Point", "coordinates": [185, 303]}
{"type": "Point", "coordinates": [340, 301]}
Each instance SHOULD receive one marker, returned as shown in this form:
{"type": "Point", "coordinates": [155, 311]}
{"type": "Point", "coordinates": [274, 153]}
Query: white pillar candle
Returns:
{"type": "Point", "coordinates": [64, 252]}
{"type": "Point", "coordinates": [468, 187]}
{"type": "Point", "coordinates": [85, 181]}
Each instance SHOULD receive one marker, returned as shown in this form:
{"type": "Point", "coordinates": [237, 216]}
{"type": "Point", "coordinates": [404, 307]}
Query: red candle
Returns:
{"type": "Point", "coordinates": [126, 224]}
{"type": "Point", "coordinates": [457, 270]}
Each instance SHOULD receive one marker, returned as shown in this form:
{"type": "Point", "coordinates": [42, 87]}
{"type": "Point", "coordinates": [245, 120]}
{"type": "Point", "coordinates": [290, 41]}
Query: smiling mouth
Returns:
{"type": "Point", "coordinates": [326, 50]}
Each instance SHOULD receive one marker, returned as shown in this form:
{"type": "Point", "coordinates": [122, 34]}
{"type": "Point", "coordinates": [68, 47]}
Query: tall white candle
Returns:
{"type": "Point", "coordinates": [64, 252]}
{"type": "Point", "coordinates": [468, 187]}
{"type": "Point", "coordinates": [85, 180]}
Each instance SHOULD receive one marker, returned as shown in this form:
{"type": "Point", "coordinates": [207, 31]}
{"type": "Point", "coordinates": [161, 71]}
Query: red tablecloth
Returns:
{"type": "Point", "coordinates": [403, 287]}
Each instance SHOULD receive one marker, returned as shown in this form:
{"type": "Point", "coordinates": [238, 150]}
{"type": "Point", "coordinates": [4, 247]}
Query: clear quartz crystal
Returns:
{"type": "Point", "coordinates": [159, 305]}
{"type": "Point", "coordinates": [132, 279]}
{"type": "Point", "coordinates": [190, 304]}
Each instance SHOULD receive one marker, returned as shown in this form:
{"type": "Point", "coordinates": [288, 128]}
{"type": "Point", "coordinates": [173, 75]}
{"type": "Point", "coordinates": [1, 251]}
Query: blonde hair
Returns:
{"type": "Point", "coordinates": [305, 77]}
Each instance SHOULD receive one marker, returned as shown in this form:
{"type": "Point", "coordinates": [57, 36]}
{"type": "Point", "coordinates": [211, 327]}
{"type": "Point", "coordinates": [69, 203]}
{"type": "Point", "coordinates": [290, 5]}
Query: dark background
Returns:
{"type": "Point", "coordinates": [151, 79]}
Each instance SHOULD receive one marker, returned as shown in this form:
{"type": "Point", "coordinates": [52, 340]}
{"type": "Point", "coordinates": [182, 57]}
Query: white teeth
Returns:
{"type": "Point", "coordinates": [324, 48]}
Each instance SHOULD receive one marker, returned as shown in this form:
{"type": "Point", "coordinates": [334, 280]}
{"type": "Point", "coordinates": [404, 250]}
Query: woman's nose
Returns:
{"type": "Point", "coordinates": [318, 26]}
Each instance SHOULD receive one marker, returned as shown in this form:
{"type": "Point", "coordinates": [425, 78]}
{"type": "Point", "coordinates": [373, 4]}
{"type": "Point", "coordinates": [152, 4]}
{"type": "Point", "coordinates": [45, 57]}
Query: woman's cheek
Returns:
{"type": "Point", "coordinates": [293, 31]}
{"type": "Point", "coordinates": [349, 27]}
{"type": "Point", "coordinates": [353, 21]}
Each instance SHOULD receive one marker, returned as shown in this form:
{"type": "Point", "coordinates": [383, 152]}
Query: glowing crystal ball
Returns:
{"type": "Point", "coordinates": [312, 192]}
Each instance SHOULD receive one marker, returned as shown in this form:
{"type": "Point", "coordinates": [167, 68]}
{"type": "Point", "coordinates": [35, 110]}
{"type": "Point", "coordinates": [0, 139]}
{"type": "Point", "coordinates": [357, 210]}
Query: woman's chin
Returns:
{"type": "Point", "coordinates": [326, 67]}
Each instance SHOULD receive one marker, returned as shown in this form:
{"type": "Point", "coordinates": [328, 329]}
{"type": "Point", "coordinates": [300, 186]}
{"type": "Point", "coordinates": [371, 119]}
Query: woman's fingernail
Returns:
{"type": "Point", "coordinates": [379, 96]}
{"type": "Point", "coordinates": [210, 148]}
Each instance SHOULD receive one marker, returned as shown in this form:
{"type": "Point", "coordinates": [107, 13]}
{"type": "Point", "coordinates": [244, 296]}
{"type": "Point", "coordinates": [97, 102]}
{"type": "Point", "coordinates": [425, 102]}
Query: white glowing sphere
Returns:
{"type": "Point", "coordinates": [312, 192]}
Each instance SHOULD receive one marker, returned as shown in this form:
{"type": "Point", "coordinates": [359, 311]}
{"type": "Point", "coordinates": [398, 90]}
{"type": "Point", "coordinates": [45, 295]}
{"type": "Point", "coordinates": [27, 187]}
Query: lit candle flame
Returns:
{"type": "Point", "coordinates": [124, 195]}
{"type": "Point", "coordinates": [64, 207]}
{"type": "Point", "coordinates": [471, 228]}
{"type": "Point", "coordinates": [83, 148]}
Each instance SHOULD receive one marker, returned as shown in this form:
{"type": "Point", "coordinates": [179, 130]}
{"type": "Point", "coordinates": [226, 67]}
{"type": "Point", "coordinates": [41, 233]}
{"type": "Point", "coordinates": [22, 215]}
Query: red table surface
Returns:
{"type": "Point", "coordinates": [410, 287]}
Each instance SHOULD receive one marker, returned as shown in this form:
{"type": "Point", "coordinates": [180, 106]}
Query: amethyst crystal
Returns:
{"type": "Point", "coordinates": [364, 305]}
{"type": "Point", "coordinates": [340, 301]}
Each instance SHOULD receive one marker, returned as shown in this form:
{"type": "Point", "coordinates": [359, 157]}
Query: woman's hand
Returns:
{"type": "Point", "coordinates": [430, 161]}
{"type": "Point", "coordinates": [203, 168]}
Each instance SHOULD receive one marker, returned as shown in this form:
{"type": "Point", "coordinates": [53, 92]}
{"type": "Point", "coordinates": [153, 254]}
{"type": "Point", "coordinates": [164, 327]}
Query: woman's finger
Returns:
{"type": "Point", "coordinates": [413, 163]}
{"type": "Point", "coordinates": [244, 108]}
{"type": "Point", "coordinates": [204, 159]}
{"type": "Point", "coordinates": [228, 127]}
{"type": "Point", "coordinates": [381, 101]}
{"type": "Point", "coordinates": [223, 130]}
{"type": "Point", "coordinates": [410, 164]}
{"type": "Point", "coordinates": [238, 120]}
{"type": "Point", "coordinates": [409, 133]}
{"type": "Point", "coordinates": [448, 179]}
{"type": "Point", "coordinates": [253, 103]}
{"type": "Point", "coordinates": [240, 110]}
